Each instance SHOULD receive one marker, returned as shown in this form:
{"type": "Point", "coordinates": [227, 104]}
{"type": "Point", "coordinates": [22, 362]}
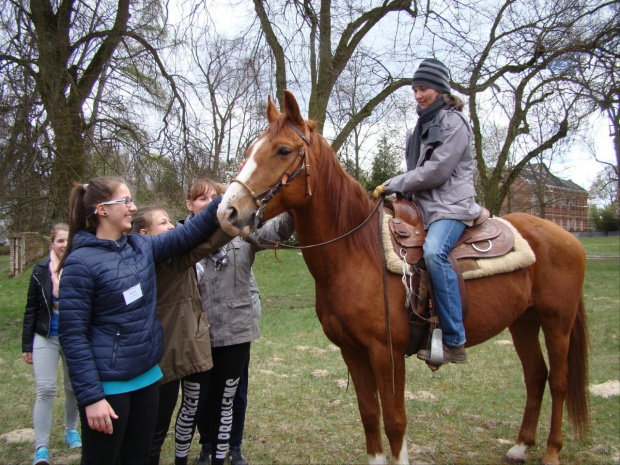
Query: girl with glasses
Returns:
{"type": "Point", "coordinates": [108, 328]}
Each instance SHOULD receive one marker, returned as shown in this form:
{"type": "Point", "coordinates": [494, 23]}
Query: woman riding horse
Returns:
{"type": "Point", "coordinates": [440, 174]}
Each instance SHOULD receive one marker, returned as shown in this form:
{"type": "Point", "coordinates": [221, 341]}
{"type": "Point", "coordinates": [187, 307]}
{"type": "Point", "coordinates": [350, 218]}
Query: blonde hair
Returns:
{"type": "Point", "coordinates": [58, 227]}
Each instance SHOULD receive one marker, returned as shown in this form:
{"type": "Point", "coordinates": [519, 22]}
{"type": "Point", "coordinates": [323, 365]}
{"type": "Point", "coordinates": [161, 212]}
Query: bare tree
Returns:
{"type": "Point", "coordinates": [69, 50]}
{"type": "Point", "coordinates": [599, 77]}
{"type": "Point", "coordinates": [327, 35]}
{"type": "Point", "coordinates": [352, 91]}
{"type": "Point", "coordinates": [227, 91]}
{"type": "Point", "coordinates": [518, 68]}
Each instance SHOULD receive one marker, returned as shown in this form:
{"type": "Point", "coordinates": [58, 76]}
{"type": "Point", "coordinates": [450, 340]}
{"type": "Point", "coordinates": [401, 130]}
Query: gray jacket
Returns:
{"type": "Point", "coordinates": [443, 179]}
{"type": "Point", "coordinates": [230, 295]}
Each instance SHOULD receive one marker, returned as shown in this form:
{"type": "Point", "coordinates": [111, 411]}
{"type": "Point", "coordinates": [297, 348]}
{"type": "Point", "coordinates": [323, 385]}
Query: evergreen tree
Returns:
{"type": "Point", "coordinates": [386, 165]}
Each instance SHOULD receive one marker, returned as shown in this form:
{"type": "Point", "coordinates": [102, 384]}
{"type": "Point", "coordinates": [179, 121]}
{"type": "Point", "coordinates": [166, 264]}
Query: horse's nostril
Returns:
{"type": "Point", "coordinates": [232, 218]}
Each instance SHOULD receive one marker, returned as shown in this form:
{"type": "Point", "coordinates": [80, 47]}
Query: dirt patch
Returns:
{"type": "Point", "coordinates": [421, 396]}
{"type": "Point", "coordinates": [18, 436]}
{"type": "Point", "coordinates": [607, 389]}
{"type": "Point", "coordinates": [272, 373]}
{"type": "Point", "coordinates": [342, 383]}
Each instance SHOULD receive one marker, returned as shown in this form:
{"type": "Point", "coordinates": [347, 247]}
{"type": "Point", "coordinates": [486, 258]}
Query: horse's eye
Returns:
{"type": "Point", "coordinates": [283, 152]}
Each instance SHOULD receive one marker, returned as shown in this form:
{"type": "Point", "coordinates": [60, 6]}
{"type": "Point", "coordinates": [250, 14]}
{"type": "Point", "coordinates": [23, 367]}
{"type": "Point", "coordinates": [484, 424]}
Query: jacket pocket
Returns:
{"type": "Point", "coordinates": [240, 302]}
{"type": "Point", "coordinates": [117, 338]}
{"type": "Point", "coordinates": [457, 193]}
{"type": "Point", "coordinates": [240, 316]}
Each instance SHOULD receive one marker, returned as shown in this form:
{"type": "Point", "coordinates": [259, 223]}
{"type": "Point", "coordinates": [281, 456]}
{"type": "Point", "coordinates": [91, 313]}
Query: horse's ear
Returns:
{"type": "Point", "coordinates": [292, 109]}
{"type": "Point", "coordinates": [272, 110]}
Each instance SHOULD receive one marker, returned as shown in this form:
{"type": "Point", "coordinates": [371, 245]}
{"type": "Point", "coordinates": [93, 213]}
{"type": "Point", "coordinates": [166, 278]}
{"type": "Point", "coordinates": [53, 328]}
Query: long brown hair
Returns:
{"type": "Point", "coordinates": [200, 186]}
{"type": "Point", "coordinates": [83, 200]}
{"type": "Point", "coordinates": [454, 101]}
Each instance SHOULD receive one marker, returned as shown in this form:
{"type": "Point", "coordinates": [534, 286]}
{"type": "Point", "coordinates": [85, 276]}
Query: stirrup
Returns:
{"type": "Point", "coordinates": [436, 358]}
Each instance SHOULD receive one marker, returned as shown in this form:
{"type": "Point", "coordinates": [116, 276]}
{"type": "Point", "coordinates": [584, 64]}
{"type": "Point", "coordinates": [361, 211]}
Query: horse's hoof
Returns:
{"type": "Point", "coordinates": [550, 459]}
{"type": "Point", "coordinates": [512, 460]}
{"type": "Point", "coordinates": [516, 454]}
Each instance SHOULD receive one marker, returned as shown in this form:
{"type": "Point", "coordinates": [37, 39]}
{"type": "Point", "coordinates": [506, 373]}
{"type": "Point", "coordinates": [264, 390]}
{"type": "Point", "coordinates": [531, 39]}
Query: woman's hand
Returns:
{"type": "Point", "coordinates": [379, 191]}
{"type": "Point", "coordinates": [100, 416]}
{"type": "Point", "coordinates": [27, 357]}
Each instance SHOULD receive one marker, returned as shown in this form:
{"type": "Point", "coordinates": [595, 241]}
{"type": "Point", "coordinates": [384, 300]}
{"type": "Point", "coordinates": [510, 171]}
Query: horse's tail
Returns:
{"type": "Point", "coordinates": [577, 400]}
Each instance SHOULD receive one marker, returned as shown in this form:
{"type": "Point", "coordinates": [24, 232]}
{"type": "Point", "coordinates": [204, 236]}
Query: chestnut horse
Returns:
{"type": "Point", "coordinates": [294, 169]}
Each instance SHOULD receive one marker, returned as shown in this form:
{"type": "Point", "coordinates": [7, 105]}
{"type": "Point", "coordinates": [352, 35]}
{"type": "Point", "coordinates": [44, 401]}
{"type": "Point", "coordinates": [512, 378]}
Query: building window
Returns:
{"type": "Point", "coordinates": [561, 223]}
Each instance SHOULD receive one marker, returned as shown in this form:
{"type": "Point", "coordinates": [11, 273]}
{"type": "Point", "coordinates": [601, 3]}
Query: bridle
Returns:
{"type": "Point", "coordinates": [264, 197]}
{"type": "Point", "coordinates": [261, 200]}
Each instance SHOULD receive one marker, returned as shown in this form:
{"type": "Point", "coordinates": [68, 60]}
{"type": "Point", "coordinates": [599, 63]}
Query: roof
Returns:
{"type": "Point", "coordinates": [534, 172]}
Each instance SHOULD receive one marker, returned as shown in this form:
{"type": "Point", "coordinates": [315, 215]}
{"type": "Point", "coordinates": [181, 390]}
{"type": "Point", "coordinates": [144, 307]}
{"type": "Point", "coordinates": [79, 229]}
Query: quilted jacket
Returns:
{"type": "Point", "coordinates": [108, 327]}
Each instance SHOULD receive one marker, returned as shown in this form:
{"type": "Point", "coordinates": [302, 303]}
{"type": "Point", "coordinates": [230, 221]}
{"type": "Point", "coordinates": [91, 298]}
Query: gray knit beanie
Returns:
{"type": "Point", "coordinates": [434, 74]}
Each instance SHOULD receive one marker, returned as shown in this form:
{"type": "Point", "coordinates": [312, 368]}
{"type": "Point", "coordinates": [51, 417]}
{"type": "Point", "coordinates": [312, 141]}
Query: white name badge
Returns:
{"type": "Point", "coordinates": [132, 294]}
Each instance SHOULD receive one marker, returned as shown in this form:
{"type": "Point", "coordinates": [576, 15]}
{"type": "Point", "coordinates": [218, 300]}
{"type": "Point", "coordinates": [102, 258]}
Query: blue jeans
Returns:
{"type": "Point", "coordinates": [440, 238]}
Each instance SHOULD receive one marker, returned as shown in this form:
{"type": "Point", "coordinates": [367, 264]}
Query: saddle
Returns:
{"type": "Point", "coordinates": [486, 238]}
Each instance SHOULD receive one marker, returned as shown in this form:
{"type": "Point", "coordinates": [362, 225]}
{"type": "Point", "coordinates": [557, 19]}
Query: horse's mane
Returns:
{"type": "Point", "coordinates": [350, 202]}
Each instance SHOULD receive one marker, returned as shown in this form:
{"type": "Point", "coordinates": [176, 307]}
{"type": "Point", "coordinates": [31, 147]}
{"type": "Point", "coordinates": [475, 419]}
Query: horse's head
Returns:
{"type": "Point", "coordinates": [276, 175]}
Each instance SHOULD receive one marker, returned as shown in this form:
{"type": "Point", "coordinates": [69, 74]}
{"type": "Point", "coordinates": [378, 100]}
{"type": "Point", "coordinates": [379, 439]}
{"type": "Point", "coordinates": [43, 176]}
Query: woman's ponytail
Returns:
{"type": "Point", "coordinates": [83, 200]}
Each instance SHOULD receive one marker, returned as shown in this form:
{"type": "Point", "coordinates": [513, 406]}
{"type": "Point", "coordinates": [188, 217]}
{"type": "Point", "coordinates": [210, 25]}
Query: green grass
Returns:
{"type": "Point", "coordinates": [300, 410]}
{"type": "Point", "coordinates": [602, 246]}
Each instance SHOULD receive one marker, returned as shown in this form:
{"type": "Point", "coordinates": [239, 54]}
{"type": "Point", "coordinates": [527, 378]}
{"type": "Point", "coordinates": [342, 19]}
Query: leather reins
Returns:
{"type": "Point", "coordinates": [262, 199]}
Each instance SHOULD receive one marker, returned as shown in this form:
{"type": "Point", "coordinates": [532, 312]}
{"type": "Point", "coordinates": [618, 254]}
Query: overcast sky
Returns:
{"type": "Point", "coordinates": [579, 165]}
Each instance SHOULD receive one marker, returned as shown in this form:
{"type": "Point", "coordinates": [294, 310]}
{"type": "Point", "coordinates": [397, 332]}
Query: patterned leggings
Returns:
{"type": "Point", "coordinates": [194, 389]}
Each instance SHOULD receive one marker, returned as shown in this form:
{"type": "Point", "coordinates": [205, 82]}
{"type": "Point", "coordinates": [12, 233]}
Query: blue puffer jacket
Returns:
{"type": "Point", "coordinates": [108, 327]}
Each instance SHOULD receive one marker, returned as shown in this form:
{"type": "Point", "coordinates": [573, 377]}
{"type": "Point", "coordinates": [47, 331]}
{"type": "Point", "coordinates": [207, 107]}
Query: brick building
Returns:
{"type": "Point", "coordinates": [538, 192]}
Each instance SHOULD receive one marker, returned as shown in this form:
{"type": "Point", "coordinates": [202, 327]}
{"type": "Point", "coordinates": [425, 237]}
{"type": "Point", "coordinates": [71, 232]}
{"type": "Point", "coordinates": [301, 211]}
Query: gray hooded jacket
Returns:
{"type": "Point", "coordinates": [443, 180]}
{"type": "Point", "coordinates": [230, 294]}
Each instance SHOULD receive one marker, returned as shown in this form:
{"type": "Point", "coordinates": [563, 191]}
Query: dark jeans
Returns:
{"type": "Point", "coordinates": [215, 420]}
{"type": "Point", "coordinates": [130, 443]}
{"type": "Point", "coordinates": [194, 392]}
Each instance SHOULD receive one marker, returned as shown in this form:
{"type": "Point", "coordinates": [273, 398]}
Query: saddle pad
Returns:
{"type": "Point", "coordinates": [521, 256]}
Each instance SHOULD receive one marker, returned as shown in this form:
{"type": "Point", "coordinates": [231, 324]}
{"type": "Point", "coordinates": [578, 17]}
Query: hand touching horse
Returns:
{"type": "Point", "coordinates": [293, 168]}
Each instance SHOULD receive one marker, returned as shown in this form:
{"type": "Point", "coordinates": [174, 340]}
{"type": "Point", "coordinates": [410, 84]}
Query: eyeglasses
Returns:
{"type": "Point", "coordinates": [126, 200]}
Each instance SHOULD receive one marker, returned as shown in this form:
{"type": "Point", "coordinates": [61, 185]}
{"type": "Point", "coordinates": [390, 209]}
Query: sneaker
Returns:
{"type": "Point", "coordinates": [204, 458]}
{"type": "Point", "coordinates": [41, 457]}
{"type": "Point", "coordinates": [72, 438]}
{"type": "Point", "coordinates": [236, 457]}
{"type": "Point", "coordinates": [450, 354]}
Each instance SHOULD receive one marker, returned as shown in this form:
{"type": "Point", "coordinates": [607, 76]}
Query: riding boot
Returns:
{"type": "Point", "coordinates": [450, 354]}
